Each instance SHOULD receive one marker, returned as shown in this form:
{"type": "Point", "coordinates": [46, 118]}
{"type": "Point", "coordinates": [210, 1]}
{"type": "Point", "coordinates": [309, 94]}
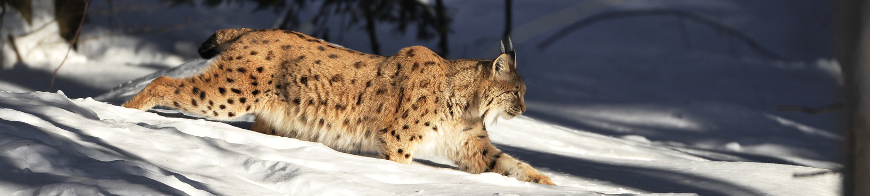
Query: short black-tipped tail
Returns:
{"type": "Point", "coordinates": [217, 42]}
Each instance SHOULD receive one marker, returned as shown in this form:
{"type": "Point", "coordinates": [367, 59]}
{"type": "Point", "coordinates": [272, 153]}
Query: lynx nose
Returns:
{"type": "Point", "coordinates": [523, 106]}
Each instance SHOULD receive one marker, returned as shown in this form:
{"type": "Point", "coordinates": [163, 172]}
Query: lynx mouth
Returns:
{"type": "Point", "coordinates": [511, 113]}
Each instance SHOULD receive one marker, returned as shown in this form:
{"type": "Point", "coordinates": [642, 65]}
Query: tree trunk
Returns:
{"type": "Point", "coordinates": [507, 17]}
{"type": "Point", "coordinates": [370, 26]}
{"type": "Point", "coordinates": [442, 27]}
{"type": "Point", "coordinates": [853, 40]}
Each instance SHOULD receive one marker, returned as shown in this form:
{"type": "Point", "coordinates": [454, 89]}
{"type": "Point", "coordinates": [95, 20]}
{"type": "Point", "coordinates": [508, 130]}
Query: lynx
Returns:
{"type": "Point", "coordinates": [301, 87]}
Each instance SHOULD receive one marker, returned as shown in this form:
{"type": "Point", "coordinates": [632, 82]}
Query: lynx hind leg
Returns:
{"type": "Point", "coordinates": [476, 154]}
{"type": "Point", "coordinates": [191, 95]}
{"type": "Point", "coordinates": [157, 93]}
{"type": "Point", "coordinates": [217, 42]}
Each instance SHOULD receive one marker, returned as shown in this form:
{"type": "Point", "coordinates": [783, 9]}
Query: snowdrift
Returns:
{"type": "Point", "coordinates": [50, 144]}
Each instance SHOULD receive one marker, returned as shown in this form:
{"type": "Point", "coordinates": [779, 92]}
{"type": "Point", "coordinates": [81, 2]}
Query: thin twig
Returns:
{"type": "Point", "coordinates": [677, 13]}
{"type": "Point", "coordinates": [809, 110]}
{"type": "Point", "coordinates": [72, 43]}
{"type": "Point", "coordinates": [15, 48]}
{"type": "Point", "coordinates": [814, 174]}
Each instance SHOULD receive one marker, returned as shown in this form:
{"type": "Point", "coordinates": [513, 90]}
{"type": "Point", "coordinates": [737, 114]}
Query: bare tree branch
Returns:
{"type": "Point", "coordinates": [809, 110]}
{"type": "Point", "coordinates": [72, 43]}
{"type": "Point", "coordinates": [659, 12]}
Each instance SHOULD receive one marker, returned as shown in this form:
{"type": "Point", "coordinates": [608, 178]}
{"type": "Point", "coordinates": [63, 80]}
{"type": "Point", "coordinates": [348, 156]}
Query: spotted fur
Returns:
{"type": "Point", "coordinates": [301, 87]}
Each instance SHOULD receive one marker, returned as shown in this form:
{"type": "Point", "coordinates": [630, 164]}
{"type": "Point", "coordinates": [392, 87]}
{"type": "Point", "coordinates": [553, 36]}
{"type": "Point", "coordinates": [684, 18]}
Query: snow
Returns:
{"type": "Point", "coordinates": [51, 144]}
{"type": "Point", "coordinates": [625, 106]}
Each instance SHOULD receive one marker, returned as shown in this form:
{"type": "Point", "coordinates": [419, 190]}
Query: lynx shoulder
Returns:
{"type": "Point", "coordinates": [301, 87]}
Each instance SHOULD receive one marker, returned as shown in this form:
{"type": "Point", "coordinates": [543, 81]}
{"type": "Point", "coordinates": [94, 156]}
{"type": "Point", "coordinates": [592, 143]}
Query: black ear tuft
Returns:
{"type": "Point", "coordinates": [209, 48]}
{"type": "Point", "coordinates": [506, 45]}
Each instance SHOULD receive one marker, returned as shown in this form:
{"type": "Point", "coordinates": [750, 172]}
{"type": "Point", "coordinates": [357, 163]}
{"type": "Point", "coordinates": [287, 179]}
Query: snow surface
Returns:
{"type": "Point", "coordinates": [631, 105]}
{"type": "Point", "coordinates": [53, 145]}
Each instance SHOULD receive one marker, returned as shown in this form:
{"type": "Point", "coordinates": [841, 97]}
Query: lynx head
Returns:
{"type": "Point", "coordinates": [504, 96]}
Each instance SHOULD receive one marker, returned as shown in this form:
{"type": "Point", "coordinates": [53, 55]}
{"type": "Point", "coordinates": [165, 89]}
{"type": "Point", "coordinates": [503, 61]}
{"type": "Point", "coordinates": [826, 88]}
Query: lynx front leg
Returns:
{"type": "Point", "coordinates": [476, 154]}
{"type": "Point", "coordinates": [398, 144]}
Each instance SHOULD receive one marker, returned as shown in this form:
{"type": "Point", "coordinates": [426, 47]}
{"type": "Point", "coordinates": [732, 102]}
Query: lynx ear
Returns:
{"type": "Point", "coordinates": [505, 61]}
{"type": "Point", "coordinates": [502, 65]}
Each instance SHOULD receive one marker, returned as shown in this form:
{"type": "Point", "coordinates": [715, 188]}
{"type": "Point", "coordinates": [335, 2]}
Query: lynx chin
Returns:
{"type": "Point", "coordinates": [301, 87]}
